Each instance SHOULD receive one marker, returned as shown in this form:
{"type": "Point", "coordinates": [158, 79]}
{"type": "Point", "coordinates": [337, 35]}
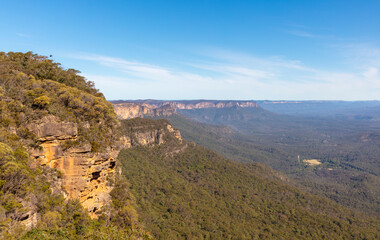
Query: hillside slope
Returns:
{"type": "Point", "coordinates": [197, 194]}
{"type": "Point", "coordinates": [335, 178]}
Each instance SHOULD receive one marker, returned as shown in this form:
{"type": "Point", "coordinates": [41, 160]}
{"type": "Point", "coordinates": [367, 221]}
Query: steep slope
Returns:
{"type": "Point", "coordinates": [193, 193]}
{"type": "Point", "coordinates": [59, 139]}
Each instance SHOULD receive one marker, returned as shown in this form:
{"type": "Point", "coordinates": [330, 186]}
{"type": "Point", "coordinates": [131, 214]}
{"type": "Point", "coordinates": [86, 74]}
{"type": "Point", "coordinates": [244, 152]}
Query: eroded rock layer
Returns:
{"type": "Point", "coordinates": [148, 135]}
{"type": "Point", "coordinates": [157, 108]}
{"type": "Point", "coordinates": [85, 173]}
{"type": "Point", "coordinates": [133, 110]}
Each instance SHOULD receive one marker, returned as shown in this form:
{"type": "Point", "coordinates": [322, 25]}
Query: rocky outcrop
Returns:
{"type": "Point", "coordinates": [85, 173]}
{"type": "Point", "coordinates": [145, 134]}
{"type": "Point", "coordinates": [156, 108]}
{"type": "Point", "coordinates": [145, 138]}
{"type": "Point", "coordinates": [175, 132]}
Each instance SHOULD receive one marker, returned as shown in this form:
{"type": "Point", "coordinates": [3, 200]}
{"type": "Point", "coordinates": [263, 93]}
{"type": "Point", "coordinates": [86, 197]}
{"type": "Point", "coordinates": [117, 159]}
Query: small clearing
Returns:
{"type": "Point", "coordinates": [312, 162]}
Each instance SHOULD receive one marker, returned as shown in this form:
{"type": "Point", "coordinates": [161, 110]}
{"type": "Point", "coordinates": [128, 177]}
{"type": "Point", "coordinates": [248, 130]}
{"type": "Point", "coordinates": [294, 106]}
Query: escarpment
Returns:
{"type": "Point", "coordinates": [85, 174]}
{"type": "Point", "coordinates": [157, 108]}
{"type": "Point", "coordinates": [133, 110]}
{"type": "Point", "coordinates": [213, 104]}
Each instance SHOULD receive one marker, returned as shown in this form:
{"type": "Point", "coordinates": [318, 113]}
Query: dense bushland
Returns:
{"type": "Point", "coordinates": [31, 87]}
{"type": "Point", "coordinates": [348, 149]}
{"type": "Point", "coordinates": [198, 194]}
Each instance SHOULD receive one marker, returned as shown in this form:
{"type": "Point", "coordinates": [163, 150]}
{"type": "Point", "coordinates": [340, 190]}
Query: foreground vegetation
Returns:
{"type": "Point", "coordinates": [31, 87]}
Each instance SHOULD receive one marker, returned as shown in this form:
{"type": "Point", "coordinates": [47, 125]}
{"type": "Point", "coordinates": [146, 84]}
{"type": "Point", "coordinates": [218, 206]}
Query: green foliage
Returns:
{"type": "Point", "coordinates": [123, 202]}
{"type": "Point", "coordinates": [41, 102]}
{"type": "Point", "coordinates": [95, 232]}
{"type": "Point", "coordinates": [34, 86]}
{"type": "Point", "coordinates": [31, 87]}
{"type": "Point", "coordinates": [349, 173]}
{"type": "Point", "coordinates": [40, 67]}
{"type": "Point", "coordinates": [199, 195]}
{"type": "Point", "coordinates": [143, 124]}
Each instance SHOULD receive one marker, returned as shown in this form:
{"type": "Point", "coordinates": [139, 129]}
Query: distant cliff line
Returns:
{"type": "Point", "coordinates": [127, 109]}
{"type": "Point", "coordinates": [191, 104]}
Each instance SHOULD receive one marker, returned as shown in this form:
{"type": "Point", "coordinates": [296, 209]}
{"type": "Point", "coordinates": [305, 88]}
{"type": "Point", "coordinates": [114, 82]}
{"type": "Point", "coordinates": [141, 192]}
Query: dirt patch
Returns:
{"type": "Point", "coordinates": [312, 162]}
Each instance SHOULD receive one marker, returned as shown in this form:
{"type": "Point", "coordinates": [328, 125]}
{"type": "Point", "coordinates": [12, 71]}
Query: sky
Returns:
{"type": "Point", "coordinates": [203, 49]}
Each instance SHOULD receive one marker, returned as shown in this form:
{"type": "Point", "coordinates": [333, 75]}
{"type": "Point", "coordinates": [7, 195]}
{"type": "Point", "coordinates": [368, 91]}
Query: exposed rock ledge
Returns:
{"type": "Point", "coordinates": [84, 173]}
{"type": "Point", "coordinates": [142, 136]}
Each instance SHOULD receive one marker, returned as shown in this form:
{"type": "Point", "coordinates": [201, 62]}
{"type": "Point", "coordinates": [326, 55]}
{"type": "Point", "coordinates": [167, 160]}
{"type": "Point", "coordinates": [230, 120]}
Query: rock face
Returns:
{"type": "Point", "coordinates": [84, 173]}
{"type": "Point", "coordinates": [149, 138]}
{"type": "Point", "coordinates": [156, 108]}
{"type": "Point", "coordinates": [150, 135]}
{"type": "Point", "coordinates": [175, 132]}
{"type": "Point", "coordinates": [133, 110]}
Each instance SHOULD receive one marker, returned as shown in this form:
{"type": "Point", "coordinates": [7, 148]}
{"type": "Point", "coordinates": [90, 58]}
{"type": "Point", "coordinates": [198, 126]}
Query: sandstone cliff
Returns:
{"type": "Point", "coordinates": [133, 110]}
{"type": "Point", "coordinates": [156, 108]}
{"type": "Point", "coordinates": [147, 132]}
{"type": "Point", "coordinates": [85, 173]}
{"type": "Point", "coordinates": [212, 104]}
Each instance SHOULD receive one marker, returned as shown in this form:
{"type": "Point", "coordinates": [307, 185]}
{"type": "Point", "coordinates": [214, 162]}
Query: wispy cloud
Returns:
{"type": "Point", "coordinates": [361, 54]}
{"type": "Point", "coordinates": [308, 34]}
{"type": "Point", "coordinates": [229, 75]}
{"type": "Point", "coordinates": [136, 69]}
{"type": "Point", "coordinates": [242, 59]}
{"type": "Point", "coordinates": [302, 34]}
{"type": "Point", "coordinates": [232, 70]}
{"type": "Point", "coordinates": [24, 35]}
{"type": "Point", "coordinates": [142, 80]}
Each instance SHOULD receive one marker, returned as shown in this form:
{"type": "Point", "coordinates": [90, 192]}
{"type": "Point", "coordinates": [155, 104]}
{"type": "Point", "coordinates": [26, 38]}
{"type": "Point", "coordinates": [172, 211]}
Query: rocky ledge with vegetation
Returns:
{"type": "Point", "coordinates": [59, 141]}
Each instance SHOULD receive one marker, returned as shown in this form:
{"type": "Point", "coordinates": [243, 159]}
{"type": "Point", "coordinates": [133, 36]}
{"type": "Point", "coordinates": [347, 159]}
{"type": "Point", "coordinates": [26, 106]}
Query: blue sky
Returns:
{"type": "Point", "coordinates": [296, 50]}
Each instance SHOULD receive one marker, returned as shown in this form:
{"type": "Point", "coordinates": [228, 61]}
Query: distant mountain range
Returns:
{"type": "Point", "coordinates": [357, 110]}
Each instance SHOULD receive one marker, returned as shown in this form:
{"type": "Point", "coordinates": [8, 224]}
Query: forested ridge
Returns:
{"type": "Point", "coordinates": [347, 149]}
